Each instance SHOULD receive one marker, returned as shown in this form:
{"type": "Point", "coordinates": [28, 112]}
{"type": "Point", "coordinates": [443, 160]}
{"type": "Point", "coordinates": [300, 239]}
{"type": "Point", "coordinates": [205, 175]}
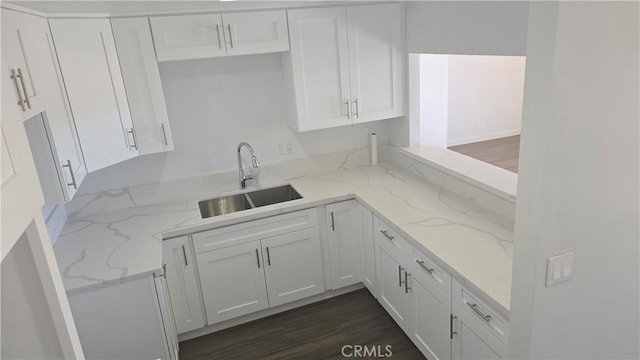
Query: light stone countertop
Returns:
{"type": "Point", "coordinates": [475, 244]}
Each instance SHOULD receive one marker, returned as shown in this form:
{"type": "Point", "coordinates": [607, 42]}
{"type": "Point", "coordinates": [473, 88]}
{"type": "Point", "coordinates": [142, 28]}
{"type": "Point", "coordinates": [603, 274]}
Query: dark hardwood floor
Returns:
{"type": "Point", "coordinates": [502, 152]}
{"type": "Point", "coordinates": [316, 331]}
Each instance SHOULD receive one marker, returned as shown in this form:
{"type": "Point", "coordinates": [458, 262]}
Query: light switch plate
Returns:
{"type": "Point", "coordinates": [559, 268]}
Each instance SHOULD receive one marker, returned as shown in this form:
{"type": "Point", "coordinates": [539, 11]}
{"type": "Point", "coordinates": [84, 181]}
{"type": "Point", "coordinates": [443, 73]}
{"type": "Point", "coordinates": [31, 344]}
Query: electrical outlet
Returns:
{"type": "Point", "coordinates": [286, 148]}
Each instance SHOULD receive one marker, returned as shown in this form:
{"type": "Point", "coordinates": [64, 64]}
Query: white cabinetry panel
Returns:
{"type": "Point", "coordinates": [188, 36]}
{"type": "Point", "coordinates": [256, 32]}
{"type": "Point", "coordinates": [344, 243]}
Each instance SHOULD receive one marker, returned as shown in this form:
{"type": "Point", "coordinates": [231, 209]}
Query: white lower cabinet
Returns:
{"type": "Point", "coordinates": [344, 243]}
{"type": "Point", "coordinates": [180, 267]}
{"type": "Point", "coordinates": [367, 249]}
{"type": "Point", "coordinates": [232, 281]}
{"type": "Point", "coordinates": [392, 275]}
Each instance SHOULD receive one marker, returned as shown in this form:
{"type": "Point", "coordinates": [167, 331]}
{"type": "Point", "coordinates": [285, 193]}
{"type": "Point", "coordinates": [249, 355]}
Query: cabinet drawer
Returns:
{"type": "Point", "coordinates": [389, 239]}
{"type": "Point", "coordinates": [420, 266]}
{"type": "Point", "coordinates": [254, 230]}
{"type": "Point", "coordinates": [478, 309]}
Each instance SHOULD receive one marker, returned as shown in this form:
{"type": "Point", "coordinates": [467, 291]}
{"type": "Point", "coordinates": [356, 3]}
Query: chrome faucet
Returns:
{"type": "Point", "coordinates": [254, 162]}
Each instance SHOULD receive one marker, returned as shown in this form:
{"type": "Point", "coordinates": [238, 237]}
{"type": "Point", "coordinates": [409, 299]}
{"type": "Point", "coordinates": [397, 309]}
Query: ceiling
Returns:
{"type": "Point", "coordinates": [149, 7]}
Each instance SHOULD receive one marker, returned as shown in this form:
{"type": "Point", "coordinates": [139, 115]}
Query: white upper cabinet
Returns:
{"type": "Point", "coordinates": [345, 65]}
{"type": "Point", "coordinates": [212, 35]}
{"type": "Point", "coordinates": [188, 36]}
{"type": "Point", "coordinates": [256, 32]}
{"type": "Point", "coordinates": [142, 82]}
{"type": "Point", "coordinates": [320, 67]}
{"type": "Point", "coordinates": [22, 51]}
{"type": "Point", "coordinates": [375, 61]}
{"type": "Point", "coordinates": [91, 73]}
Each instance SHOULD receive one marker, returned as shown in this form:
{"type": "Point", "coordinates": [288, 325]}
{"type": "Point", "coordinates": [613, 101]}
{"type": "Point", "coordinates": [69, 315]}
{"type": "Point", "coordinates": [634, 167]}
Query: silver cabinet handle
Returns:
{"type": "Point", "coordinates": [258, 258]}
{"type": "Point", "coordinates": [230, 38]}
{"type": "Point", "coordinates": [268, 257]}
{"type": "Point", "coordinates": [24, 88]}
{"type": "Point", "coordinates": [474, 307]}
{"type": "Point", "coordinates": [164, 271]}
{"type": "Point", "coordinates": [451, 332]}
{"type": "Point", "coordinates": [425, 267]}
{"type": "Point", "coordinates": [333, 223]}
{"type": "Point", "coordinates": [406, 282]}
{"type": "Point", "coordinates": [164, 135]}
{"type": "Point", "coordinates": [386, 234]}
{"type": "Point", "coordinates": [73, 177]}
{"type": "Point", "coordinates": [21, 102]}
{"type": "Point", "coordinates": [400, 269]}
{"type": "Point", "coordinates": [357, 108]}
{"type": "Point", "coordinates": [218, 32]}
{"type": "Point", "coordinates": [348, 109]}
{"type": "Point", "coordinates": [184, 253]}
{"type": "Point", "coordinates": [133, 139]}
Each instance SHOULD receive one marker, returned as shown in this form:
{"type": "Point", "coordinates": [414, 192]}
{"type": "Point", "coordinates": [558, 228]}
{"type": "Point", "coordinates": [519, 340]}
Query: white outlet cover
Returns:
{"type": "Point", "coordinates": [559, 268]}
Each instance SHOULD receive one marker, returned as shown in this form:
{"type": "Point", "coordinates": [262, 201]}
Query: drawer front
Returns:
{"type": "Point", "coordinates": [389, 239]}
{"type": "Point", "coordinates": [478, 309]}
{"type": "Point", "coordinates": [254, 230]}
{"type": "Point", "coordinates": [420, 266]}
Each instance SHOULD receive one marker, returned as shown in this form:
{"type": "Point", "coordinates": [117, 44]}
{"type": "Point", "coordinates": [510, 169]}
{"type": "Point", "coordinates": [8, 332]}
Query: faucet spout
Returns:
{"type": "Point", "coordinates": [254, 161]}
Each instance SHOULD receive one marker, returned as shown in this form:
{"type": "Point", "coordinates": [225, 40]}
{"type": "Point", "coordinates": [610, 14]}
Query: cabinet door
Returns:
{"type": "Point", "coordinates": [294, 266]}
{"type": "Point", "coordinates": [21, 196]}
{"type": "Point", "coordinates": [184, 289]}
{"type": "Point", "coordinates": [188, 36]}
{"type": "Point", "coordinates": [472, 341]}
{"type": "Point", "coordinates": [93, 80]}
{"type": "Point", "coordinates": [142, 82]}
{"type": "Point", "coordinates": [320, 67]}
{"type": "Point", "coordinates": [391, 288]}
{"type": "Point", "coordinates": [344, 243]}
{"type": "Point", "coordinates": [22, 49]}
{"type": "Point", "coordinates": [367, 247]}
{"type": "Point", "coordinates": [256, 32]}
{"type": "Point", "coordinates": [430, 322]}
{"type": "Point", "coordinates": [232, 281]}
{"type": "Point", "coordinates": [375, 61]}
{"type": "Point", "coordinates": [166, 314]}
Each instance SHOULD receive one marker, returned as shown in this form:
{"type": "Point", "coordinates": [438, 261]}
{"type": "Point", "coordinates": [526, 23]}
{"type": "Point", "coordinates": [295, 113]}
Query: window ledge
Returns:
{"type": "Point", "coordinates": [498, 181]}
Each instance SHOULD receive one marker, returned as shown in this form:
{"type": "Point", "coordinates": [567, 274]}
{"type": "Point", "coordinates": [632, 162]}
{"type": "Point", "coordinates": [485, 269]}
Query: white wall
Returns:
{"type": "Point", "coordinates": [578, 186]}
{"type": "Point", "coordinates": [467, 27]}
{"type": "Point", "coordinates": [433, 99]}
{"type": "Point", "coordinates": [213, 104]}
{"type": "Point", "coordinates": [485, 97]}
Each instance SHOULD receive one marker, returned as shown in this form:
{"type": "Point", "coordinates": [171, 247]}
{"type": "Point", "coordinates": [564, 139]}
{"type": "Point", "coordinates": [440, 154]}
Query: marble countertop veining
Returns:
{"type": "Point", "coordinates": [472, 242]}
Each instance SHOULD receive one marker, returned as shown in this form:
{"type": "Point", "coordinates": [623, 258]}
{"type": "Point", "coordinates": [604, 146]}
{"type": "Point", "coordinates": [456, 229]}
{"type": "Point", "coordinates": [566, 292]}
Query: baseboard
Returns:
{"type": "Point", "coordinates": [486, 137]}
{"type": "Point", "coordinates": [268, 312]}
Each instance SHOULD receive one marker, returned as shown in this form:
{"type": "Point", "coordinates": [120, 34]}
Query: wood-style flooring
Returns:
{"type": "Point", "coordinates": [315, 331]}
{"type": "Point", "coordinates": [502, 152]}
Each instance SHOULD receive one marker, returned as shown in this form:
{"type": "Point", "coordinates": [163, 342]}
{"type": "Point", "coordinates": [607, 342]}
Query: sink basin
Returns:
{"type": "Point", "coordinates": [274, 195]}
{"type": "Point", "coordinates": [238, 202]}
{"type": "Point", "coordinates": [224, 205]}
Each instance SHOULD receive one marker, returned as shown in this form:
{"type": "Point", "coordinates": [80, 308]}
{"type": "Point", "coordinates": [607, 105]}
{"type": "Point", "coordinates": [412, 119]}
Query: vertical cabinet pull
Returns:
{"type": "Point", "coordinates": [164, 135]}
{"type": "Point", "coordinates": [218, 32]}
{"type": "Point", "coordinates": [406, 282]}
{"type": "Point", "coordinates": [451, 332]}
{"type": "Point", "coordinates": [333, 223]}
{"type": "Point", "coordinates": [230, 38]}
{"type": "Point", "coordinates": [357, 108]}
{"type": "Point", "coordinates": [400, 269]}
{"type": "Point", "coordinates": [184, 253]}
{"type": "Point", "coordinates": [24, 89]}
{"type": "Point", "coordinates": [348, 109]}
{"type": "Point", "coordinates": [73, 177]}
{"type": "Point", "coordinates": [21, 102]}
{"type": "Point", "coordinates": [258, 258]}
{"type": "Point", "coordinates": [268, 257]}
{"type": "Point", "coordinates": [133, 139]}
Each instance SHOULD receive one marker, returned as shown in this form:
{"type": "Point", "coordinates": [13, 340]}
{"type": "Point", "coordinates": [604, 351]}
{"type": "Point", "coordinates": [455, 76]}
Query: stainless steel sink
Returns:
{"type": "Point", "coordinates": [274, 195]}
{"type": "Point", "coordinates": [224, 205]}
{"type": "Point", "coordinates": [238, 202]}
